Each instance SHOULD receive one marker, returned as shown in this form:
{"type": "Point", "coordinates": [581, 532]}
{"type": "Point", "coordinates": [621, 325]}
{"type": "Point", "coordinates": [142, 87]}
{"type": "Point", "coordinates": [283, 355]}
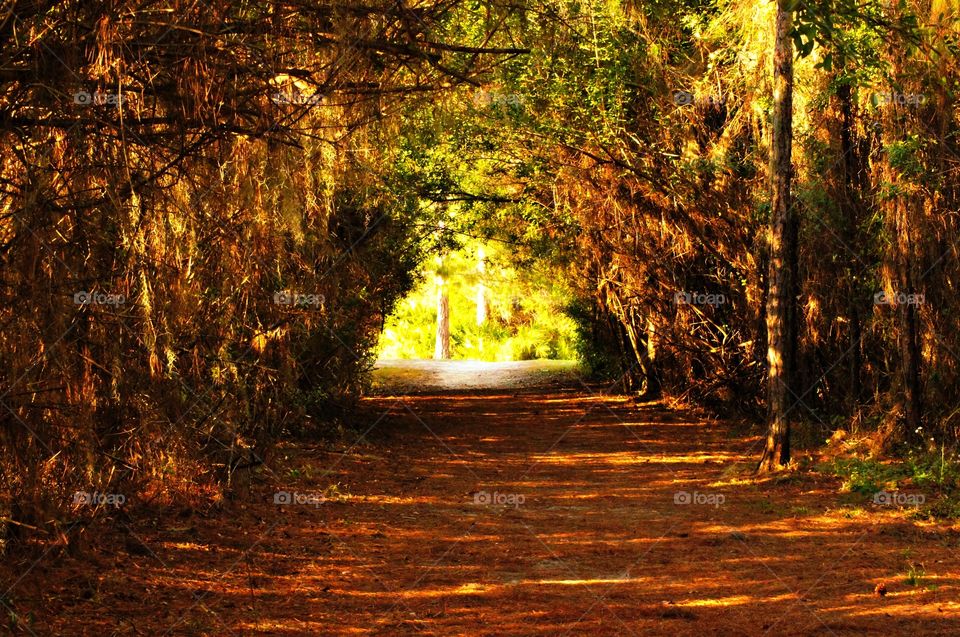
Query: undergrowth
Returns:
{"type": "Point", "coordinates": [933, 475]}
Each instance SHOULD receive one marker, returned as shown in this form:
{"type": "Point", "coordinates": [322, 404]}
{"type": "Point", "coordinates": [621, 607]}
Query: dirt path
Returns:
{"type": "Point", "coordinates": [539, 511]}
{"type": "Point", "coordinates": [407, 377]}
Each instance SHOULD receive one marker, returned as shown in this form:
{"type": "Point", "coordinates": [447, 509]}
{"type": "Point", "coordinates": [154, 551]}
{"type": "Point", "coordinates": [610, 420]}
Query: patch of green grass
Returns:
{"type": "Point", "coordinates": [938, 469]}
{"type": "Point", "coordinates": [788, 478]}
{"type": "Point", "coordinates": [738, 470]}
{"type": "Point", "coordinates": [914, 575]}
{"type": "Point", "coordinates": [302, 472]}
{"type": "Point", "coordinates": [937, 473]}
{"type": "Point", "coordinates": [946, 507]}
{"type": "Point", "coordinates": [865, 476]}
{"type": "Point", "coordinates": [335, 492]}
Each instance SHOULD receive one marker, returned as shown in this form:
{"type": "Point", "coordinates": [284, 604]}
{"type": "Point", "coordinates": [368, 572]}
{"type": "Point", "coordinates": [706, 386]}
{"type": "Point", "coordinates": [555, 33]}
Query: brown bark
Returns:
{"type": "Point", "coordinates": [904, 274]}
{"type": "Point", "coordinates": [849, 188]}
{"type": "Point", "coordinates": [442, 348]}
{"type": "Point", "coordinates": [909, 332]}
{"type": "Point", "coordinates": [782, 264]}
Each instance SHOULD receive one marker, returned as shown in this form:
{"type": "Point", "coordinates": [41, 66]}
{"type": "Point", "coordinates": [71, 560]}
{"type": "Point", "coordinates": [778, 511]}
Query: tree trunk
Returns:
{"type": "Point", "coordinates": [653, 388]}
{"type": "Point", "coordinates": [481, 289]}
{"type": "Point", "coordinates": [907, 226]}
{"type": "Point", "coordinates": [441, 350]}
{"type": "Point", "coordinates": [639, 331]}
{"type": "Point", "coordinates": [849, 201]}
{"type": "Point", "coordinates": [909, 332]}
{"type": "Point", "coordinates": [910, 353]}
{"type": "Point", "coordinates": [783, 238]}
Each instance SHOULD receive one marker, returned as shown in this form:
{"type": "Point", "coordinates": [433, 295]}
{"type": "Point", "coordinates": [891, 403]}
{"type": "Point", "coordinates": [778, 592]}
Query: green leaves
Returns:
{"type": "Point", "coordinates": [836, 25]}
{"type": "Point", "coordinates": [805, 36]}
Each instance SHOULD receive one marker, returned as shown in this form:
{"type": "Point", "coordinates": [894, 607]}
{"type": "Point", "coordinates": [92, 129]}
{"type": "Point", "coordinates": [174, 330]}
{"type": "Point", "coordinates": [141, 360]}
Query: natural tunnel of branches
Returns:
{"type": "Point", "coordinates": [208, 210]}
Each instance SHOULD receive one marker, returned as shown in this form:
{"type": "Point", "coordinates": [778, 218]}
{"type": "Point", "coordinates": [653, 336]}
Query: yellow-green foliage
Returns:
{"type": "Point", "coordinates": [525, 316]}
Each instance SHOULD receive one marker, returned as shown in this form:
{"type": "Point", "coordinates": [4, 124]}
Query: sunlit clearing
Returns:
{"type": "Point", "coordinates": [473, 303]}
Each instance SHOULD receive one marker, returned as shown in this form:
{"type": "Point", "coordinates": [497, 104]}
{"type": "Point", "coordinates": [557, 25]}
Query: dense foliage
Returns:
{"type": "Point", "coordinates": [205, 218]}
{"type": "Point", "coordinates": [644, 132]}
{"type": "Point", "coordinates": [209, 210]}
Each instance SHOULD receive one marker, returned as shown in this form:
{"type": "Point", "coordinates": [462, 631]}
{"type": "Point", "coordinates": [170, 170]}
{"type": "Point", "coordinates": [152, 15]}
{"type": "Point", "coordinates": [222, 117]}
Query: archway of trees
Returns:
{"type": "Point", "coordinates": [208, 211]}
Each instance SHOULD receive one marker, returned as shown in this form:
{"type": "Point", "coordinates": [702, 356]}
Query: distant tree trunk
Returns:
{"type": "Point", "coordinates": [441, 350]}
{"type": "Point", "coordinates": [481, 304]}
{"type": "Point", "coordinates": [783, 238]}
{"type": "Point", "coordinates": [481, 290]}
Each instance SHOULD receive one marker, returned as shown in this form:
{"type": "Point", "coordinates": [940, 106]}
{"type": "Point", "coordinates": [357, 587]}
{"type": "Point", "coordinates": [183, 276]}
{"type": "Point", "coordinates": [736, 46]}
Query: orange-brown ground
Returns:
{"type": "Point", "coordinates": [597, 546]}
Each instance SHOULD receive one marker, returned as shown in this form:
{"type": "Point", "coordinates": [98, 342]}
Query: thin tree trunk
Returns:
{"type": "Point", "coordinates": [783, 237]}
{"type": "Point", "coordinates": [441, 350]}
{"type": "Point", "coordinates": [481, 289]}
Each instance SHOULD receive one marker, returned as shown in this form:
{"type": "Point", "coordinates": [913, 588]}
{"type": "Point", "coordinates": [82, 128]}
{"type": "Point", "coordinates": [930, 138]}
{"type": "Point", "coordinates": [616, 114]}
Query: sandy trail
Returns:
{"type": "Point", "coordinates": [425, 376]}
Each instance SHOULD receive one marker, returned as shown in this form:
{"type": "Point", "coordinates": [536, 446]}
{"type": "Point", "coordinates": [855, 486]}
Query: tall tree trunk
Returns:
{"type": "Point", "coordinates": [783, 238]}
{"type": "Point", "coordinates": [909, 332]}
{"type": "Point", "coordinates": [441, 350]}
{"type": "Point", "coordinates": [903, 269]}
{"type": "Point", "coordinates": [851, 166]}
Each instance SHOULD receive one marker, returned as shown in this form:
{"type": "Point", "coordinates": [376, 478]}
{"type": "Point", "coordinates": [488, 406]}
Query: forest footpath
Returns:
{"type": "Point", "coordinates": [554, 508]}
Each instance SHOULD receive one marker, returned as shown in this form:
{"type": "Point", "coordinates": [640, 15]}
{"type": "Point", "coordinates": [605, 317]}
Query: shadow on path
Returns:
{"type": "Point", "coordinates": [534, 511]}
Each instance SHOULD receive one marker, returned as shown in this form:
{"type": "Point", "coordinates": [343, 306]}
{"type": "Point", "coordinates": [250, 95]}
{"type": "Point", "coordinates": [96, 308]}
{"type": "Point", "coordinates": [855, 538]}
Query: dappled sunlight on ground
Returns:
{"type": "Point", "coordinates": [529, 512]}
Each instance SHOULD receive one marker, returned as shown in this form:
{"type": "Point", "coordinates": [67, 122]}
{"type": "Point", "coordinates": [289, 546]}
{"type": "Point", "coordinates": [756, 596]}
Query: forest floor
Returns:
{"type": "Point", "coordinates": [546, 508]}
